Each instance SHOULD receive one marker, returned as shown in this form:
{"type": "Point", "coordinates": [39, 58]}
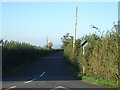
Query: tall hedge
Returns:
{"type": "Point", "coordinates": [101, 55]}
{"type": "Point", "coordinates": [15, 54]}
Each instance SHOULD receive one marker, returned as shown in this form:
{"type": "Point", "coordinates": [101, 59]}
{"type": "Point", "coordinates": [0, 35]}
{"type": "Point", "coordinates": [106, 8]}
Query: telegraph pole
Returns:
{"type": "Point", "coordinates": [75, 28]}
{"type": "Point", "coordinates": [47, 42]}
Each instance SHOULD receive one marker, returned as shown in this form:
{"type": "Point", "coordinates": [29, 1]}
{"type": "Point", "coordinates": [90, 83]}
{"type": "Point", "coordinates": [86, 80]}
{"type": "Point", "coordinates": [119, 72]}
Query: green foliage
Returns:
{"type": "Point", "coordinates": [101, 81]}
{"type": "Point", "coordinates": [101, 56]}
{"type": "Point", "coordinates": [66, 39]}
{"type": "Point", "coordinates": [15, 54]}
{"type": "Point", "coordinates": [50, 44]}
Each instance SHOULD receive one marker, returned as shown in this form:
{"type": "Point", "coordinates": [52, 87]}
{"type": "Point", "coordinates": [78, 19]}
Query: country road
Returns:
{"type": "Point", "coordinates": [48, 72]}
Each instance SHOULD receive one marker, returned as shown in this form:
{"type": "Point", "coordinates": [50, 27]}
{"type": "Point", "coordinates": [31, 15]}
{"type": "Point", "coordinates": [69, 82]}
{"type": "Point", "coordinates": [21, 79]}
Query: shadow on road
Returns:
{"type": "Point", "coordinates": [49, 72]}
{"type": "Point", "coordinates": [50, 68]}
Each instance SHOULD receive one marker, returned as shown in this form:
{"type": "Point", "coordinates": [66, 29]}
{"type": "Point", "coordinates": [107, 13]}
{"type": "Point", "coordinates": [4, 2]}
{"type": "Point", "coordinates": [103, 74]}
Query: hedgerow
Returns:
{"type": "Point", "coordinates": [101, 55]}
{"type": "Point", "coordinates": [15, 54]}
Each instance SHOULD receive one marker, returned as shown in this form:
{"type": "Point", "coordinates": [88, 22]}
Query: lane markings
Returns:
{"type": "Point", "coordinates": [30, 80]}
{"type": "Point", "coordinates": [60, 87]}
{"type": "Point", "coordinates": [34, 79]}
{"type": "Point", "coordinates": [10, 88]}
{"type": "Point", "coordinates": [42, 74]}
{"type": "Point", "coordinates": [26, 82]}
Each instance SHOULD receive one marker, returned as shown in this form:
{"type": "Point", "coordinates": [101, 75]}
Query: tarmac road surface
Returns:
{"type": "Point", "coordinates": [48, 72]}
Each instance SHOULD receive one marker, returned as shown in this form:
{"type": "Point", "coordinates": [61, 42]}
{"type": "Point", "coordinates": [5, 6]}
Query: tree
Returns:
{"type": "Point", "coordinates": [50, 44]}
{"type": "Point", "coordinates": [66, 39]}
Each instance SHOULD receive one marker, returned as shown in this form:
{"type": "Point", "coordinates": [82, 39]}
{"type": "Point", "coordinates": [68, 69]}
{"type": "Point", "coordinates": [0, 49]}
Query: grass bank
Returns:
{"type": "Point", "coordinates": [98, 81]}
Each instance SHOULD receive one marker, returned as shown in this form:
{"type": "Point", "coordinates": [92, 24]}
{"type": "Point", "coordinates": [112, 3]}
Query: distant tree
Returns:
{"type": "Point", "coordinates": [66, 39]}
{"type": "Point", "coordinates": [3, 42]}
{"type": "Point", "coordinates": [50, 44]}
{"type": "Point", "coordinates": [45, 46]}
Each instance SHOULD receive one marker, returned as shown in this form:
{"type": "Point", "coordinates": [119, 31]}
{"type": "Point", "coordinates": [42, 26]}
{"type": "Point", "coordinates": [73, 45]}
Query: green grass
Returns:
{"type": "Point", "coordinates": [101, 82]}
{"type": "Point", "coordinates": [98, 81]}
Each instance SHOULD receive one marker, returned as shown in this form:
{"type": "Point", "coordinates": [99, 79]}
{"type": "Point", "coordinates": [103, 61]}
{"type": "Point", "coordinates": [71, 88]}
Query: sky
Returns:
{"type": "Point", "coordinates": [33, 22]}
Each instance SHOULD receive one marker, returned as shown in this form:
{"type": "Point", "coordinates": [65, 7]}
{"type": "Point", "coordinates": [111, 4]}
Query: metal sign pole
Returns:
{"type": "Point", "coordinates": [83, 44]}
{"type": "Point", "coordinates": [83, 60]}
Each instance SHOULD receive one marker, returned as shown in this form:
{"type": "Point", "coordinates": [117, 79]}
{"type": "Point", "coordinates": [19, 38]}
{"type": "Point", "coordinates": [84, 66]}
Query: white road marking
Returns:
{"type": "Point", "coordinates": [30, 81]}
{"type": "Point", "coordinates": [60, 87]}
{"type": "Point", "coordinates": [42, 74]}
{"type": "Point", "coordinates": [10, 88]}
{"type": "Point", "coordinates": [34, 78]}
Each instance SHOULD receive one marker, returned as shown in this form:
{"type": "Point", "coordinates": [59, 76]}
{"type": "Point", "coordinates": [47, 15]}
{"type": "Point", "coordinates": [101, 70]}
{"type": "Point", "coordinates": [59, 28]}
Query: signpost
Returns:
{"type": "Point", "coordinates": [83, 44]}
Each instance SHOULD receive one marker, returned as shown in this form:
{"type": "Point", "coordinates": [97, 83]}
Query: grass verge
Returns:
{"type": "Point", "coordinates": [98, 81]}
{"type": "Point", "coordinates": [101, 81]}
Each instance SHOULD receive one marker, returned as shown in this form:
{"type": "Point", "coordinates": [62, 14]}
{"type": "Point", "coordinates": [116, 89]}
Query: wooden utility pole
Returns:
{"type": "Point", "coordinates": [75, 28]}
{"type": "Point", "coordinates": [47, 42]}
